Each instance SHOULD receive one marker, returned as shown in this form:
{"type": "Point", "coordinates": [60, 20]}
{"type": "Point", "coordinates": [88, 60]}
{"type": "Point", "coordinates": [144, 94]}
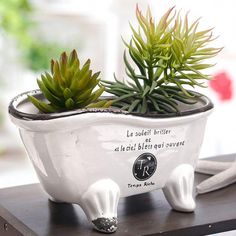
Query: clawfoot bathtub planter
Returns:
{"type": "Point", "coordinates": [92, 157]}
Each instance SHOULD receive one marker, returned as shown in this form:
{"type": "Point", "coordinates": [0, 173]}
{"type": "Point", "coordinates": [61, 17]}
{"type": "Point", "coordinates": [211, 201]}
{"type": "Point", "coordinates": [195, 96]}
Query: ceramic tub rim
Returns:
{"type": "Point", "coordinates": [22, 98]}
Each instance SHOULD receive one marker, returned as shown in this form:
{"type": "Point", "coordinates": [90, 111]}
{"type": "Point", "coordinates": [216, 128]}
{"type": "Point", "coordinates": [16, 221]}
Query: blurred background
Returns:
{"type": "Point", "coordinates": [32, 32]}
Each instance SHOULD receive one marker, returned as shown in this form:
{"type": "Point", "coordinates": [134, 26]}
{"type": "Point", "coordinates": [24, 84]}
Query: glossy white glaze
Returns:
{"type": "Point", "coordinates": [180, 183]}
{"type": "Point", "coordinates": [73, 155]}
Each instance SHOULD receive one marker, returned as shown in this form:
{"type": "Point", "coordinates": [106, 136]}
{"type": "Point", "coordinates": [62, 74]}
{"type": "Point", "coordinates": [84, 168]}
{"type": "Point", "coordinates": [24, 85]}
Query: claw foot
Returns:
{"type": "Point", "coordinates": [179, 187]}
{"type": "Point", "coordinates": [100, 202]}
{"type": "Point", "coordinates": [105, 225]}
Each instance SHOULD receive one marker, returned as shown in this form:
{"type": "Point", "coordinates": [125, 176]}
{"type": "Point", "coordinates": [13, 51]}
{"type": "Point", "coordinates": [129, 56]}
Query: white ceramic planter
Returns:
{"type": "Point", "coordinates": [94, 157]}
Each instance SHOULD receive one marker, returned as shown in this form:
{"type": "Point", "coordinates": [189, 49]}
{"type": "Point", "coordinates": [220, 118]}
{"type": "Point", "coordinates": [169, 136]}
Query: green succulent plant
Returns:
{"type": "Point", "coordinates": [168, 56]}
{"type": "Point", "coordinates": [69, 86]}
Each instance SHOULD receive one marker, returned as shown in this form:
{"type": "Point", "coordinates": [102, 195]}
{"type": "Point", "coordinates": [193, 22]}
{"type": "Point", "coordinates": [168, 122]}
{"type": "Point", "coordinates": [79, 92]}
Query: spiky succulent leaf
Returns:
{"type": "Point", "coordinates": [69, 86]}
{"type": "Point", "coordinates": [165, 57]}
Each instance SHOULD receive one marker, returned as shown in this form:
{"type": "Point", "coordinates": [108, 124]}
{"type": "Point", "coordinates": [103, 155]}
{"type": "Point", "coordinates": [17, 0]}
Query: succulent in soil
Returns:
{"type": "Point", "coordinates": [69, 86]}
{"type": "Point", "coordinates": [166, 58]}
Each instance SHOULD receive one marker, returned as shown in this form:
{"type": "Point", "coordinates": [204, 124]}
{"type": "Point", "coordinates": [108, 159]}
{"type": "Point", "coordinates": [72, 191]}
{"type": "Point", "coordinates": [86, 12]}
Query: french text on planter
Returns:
{"type": "Point", "coordinates": [149, 139]}
{"type": "Point", "coordinates": [144, 184]}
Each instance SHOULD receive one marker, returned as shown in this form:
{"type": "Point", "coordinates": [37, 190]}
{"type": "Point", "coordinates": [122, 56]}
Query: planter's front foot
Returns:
{"type": "Point", "coordinates": [179, 188]}
{"type": "Point", "coordinates": [100, 202]}
{"type": "Point", "coordinates": [105, 225]}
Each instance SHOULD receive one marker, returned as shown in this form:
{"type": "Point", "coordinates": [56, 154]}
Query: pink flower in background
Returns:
{"type": "Point", "coordinates": [222, 84]}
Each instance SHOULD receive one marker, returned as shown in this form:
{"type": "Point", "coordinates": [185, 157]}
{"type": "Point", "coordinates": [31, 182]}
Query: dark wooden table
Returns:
{"type": "Point", "coordinates": [25, 210]}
